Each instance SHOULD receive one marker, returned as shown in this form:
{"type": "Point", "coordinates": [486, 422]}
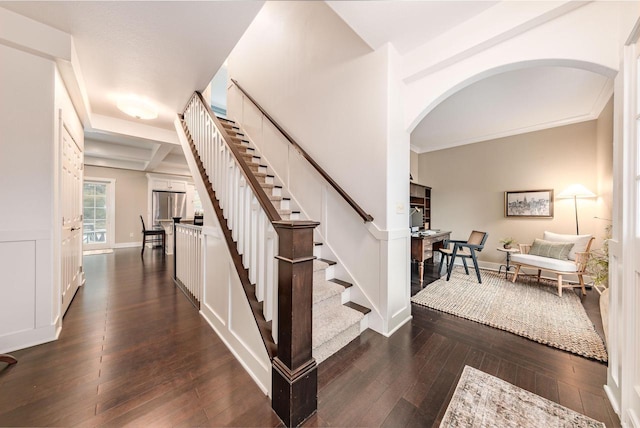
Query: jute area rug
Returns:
{"type": "Point", "coordinates": [482, 400]}
{"type": "Point", "coordinates": [525, 308]}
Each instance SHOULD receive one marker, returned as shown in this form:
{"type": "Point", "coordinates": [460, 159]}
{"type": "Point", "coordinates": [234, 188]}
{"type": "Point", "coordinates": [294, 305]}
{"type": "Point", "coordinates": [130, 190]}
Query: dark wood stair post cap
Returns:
{"type": "Point", "coordinates": [294, 372]}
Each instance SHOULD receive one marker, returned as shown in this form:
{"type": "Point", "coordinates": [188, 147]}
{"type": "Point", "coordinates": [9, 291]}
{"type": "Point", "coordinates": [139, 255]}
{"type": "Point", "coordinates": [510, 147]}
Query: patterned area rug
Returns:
{"type": "Point", "coordinates": [525, 308]}
{"type": "Point", "coordinates": [482, 400]}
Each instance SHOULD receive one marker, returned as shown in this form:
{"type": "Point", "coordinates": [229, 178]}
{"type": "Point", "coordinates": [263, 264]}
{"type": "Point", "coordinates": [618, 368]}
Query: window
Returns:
{"type": "Point", "coordinates": [94, 208]}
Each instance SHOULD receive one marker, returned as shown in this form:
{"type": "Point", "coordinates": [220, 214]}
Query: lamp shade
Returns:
{"type": "Point", "coordinates": [576, 191]}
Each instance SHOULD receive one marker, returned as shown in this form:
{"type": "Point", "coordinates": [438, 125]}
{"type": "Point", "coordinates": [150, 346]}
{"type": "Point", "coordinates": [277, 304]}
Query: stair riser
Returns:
{"type": "Point", "coordinates": [345, 296]}
{"type": "Point", "coordinates": [320, 275]}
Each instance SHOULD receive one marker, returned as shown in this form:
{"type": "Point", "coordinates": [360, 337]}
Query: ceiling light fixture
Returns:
{"type": "Point", "coordinates": [138, 107]}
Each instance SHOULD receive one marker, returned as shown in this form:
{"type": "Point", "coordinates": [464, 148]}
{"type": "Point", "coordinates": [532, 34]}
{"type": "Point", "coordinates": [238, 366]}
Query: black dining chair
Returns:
{"type": "Point", "coordinates": [155, 236]}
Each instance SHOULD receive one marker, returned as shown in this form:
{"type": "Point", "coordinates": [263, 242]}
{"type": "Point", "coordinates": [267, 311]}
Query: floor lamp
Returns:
{"type": "Point", "coordinates": [576, 191]}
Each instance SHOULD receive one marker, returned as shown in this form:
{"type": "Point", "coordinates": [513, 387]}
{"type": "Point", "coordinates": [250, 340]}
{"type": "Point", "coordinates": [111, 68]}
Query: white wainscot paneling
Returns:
{"type": "Point", "coordinates": [242, 326]}
{"type": "Point", "coordinates": [399, 282]}
{"type": "Point", "coordinates": [216, 275]}
{"type": "Point", "coordinates": [17, 306]}
{"type": "Point", "coordinates": [358, 253]}
{"type": "Point", "coordinates": [226, 309]}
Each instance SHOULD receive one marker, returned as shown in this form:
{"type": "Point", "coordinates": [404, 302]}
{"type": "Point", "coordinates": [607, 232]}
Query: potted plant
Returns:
{"type": "Point", "coordinates": [507, 242]}
{"type": "Point", "coordinates": [598, 264]}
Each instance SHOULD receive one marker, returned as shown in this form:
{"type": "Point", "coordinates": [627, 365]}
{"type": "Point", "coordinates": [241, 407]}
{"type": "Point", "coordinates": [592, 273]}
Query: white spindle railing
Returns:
{"type": "Point", "coordinates": [189, 258]}
{"type": "Point", "coordinates": [257, 240]}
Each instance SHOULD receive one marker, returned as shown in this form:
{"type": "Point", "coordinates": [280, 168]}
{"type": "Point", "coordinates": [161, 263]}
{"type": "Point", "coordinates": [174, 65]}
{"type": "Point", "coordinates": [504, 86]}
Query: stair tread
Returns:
{"type": "Point", "coordinates": [323, 290]}
{"type": "Point", "coordinates": [334, 324]}
{"type": "Point", "coordinates": [319, 265]}
{"type": "Point", "coordinates": [357, 307]}
{"type": "Point", "coordinates": [331, 322]}
{"type": "Point", "coordinates": [344, 284]}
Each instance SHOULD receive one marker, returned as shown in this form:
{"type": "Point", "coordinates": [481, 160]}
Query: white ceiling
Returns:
{"type": "Point", "coordinates": [513, 103]}
{"type": "Point", "coordinates": [163, 51]}
{"type": "Point", "coordinates": [166, 50]}
{"type": "Point", "coordinates": [405, 24]}
{"type": "Point", "coordinates": [506, 104]}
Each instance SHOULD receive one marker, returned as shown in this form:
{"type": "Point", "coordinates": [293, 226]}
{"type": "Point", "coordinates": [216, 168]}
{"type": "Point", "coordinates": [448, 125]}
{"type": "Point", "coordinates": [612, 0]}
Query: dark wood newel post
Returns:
{"type": "Point", "coordinates": [294, 391]}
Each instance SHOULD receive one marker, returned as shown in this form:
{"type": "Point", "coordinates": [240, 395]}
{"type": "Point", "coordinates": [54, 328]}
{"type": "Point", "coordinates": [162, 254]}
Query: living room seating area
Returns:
{"type": "Point", "coordinates": [556, 253]}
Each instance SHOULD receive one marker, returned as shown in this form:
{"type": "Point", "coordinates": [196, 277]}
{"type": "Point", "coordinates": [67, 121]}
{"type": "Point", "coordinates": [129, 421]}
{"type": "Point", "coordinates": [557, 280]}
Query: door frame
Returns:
{"type": "Point", "coordinates": [111, 212]}
{"type": "Point", "coordinates": [623, 371]}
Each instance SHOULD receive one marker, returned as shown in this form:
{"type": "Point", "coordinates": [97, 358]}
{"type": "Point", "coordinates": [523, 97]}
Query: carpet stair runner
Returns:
{"type": "Point", "coordinates": [336, 320]}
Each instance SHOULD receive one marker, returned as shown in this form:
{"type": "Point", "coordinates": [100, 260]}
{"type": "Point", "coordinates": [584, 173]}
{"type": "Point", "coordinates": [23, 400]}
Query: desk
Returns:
{"type": "Point", "coordinates": [423, 246]}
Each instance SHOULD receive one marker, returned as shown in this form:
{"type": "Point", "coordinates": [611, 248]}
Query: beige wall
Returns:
{"type": "Point", "coordinates": [469, 182]}
{"type": "Point", "coordinates": [414, 168]}
{"type": "Point", "coordinates": [131, 200]}
{"type": "Point", "coordinates": [604, 169]}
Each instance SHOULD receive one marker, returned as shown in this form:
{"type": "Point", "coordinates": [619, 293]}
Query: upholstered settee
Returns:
{"type": "Point", "coordinates": [556, 253]}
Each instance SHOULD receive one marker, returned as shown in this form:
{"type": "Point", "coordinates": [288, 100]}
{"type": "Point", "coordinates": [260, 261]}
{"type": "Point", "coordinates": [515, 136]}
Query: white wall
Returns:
{"type": "Point", "coordinates": [26, 167]}
{"type": "Point", "coordinates": [32, 93]}
{"type": "Point", "coordinates": [341, 102]}
{"type": "Point", "coordinates": [327, 88]}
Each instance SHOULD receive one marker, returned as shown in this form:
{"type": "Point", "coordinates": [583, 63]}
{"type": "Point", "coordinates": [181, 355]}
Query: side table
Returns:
{"type": "Point", "coordinates": [507, 266]}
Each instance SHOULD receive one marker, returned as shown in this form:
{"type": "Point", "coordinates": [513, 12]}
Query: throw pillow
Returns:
{"type": "Point", "coordinates": [580, 242]}
{"type": "Point", "coordinates": [555, 250]}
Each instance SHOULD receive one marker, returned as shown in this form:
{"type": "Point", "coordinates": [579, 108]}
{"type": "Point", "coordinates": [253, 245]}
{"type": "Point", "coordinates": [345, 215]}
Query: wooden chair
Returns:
{"type": "Point", "coordinates": [156, 235]}
{"type": "Point", "coordinates": [463, 249]}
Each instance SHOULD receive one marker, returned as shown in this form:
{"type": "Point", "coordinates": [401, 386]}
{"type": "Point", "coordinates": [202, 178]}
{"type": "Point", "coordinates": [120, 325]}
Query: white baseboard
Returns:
{"type": "Point", "coordinates": [128, 244]}
{"type": "Point", "coordinates": [27, 338]}
{"type": "Point", "coordinates": [612, 399]}
{"type": "Point", "coordinates": [403, 322]}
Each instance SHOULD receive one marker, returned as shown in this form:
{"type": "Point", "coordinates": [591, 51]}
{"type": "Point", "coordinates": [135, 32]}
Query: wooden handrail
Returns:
{"type": "Point", "coordinates": [366, 217]}
{"type": "Point", "coordinates": [294, 370]}
{"type": "Point", "coordinates": [243, 273]}
{"type": "Point", "coordinates": [271, 211]}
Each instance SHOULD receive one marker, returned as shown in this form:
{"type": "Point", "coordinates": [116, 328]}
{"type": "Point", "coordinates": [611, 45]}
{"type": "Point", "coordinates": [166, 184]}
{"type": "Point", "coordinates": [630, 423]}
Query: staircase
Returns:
{"type": "Point", "coordinates": [336, 320]}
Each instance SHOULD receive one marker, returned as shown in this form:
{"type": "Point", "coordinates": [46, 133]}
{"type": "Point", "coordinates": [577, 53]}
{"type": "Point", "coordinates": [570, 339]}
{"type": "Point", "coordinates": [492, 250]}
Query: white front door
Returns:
{"type": "Point", "coordinates": [71, 192]}
{"type": "Point", "coordinates": [98, 213]}
{"type": "Point", "coordinates": [631, 267]}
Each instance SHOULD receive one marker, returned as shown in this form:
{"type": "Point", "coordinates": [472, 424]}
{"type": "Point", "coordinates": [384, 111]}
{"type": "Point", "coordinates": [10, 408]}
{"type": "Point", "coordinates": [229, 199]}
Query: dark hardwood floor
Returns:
{"type": "Point", "coordinates": [134, 351]}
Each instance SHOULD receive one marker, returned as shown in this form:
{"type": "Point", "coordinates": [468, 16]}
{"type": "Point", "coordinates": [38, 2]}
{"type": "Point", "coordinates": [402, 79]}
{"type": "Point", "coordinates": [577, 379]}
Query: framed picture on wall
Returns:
{"type": "Point", "coordinates": [528, 203]}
